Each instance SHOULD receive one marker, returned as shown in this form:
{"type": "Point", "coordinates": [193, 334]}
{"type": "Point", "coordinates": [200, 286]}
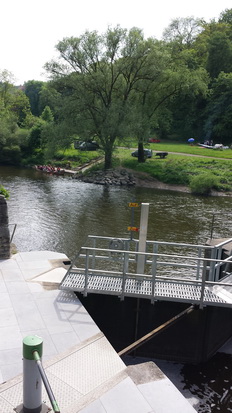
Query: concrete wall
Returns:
{"type": "Point", "coordinates": [4, 230]}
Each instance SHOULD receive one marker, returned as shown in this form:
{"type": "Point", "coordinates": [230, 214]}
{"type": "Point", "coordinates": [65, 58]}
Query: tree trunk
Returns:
{"type": "Point", "coordinates": [108, 158]}
{"type": "Point", "coordinates": [141, 157]}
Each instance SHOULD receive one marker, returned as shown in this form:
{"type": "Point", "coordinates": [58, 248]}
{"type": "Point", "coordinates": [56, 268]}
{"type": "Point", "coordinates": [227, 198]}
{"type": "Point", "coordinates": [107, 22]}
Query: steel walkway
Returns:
{"type": "Point", "coordinates": [208, 283]}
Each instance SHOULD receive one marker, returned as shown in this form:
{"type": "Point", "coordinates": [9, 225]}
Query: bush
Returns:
{"type": "Point", "coordinates": [10, 156]}
{"type": "Point", "coordinates": [203, 183]}
{"type": "Point", "coordinates": [4, 192]}
{"type": "Point", "coordinates": [37, 158]}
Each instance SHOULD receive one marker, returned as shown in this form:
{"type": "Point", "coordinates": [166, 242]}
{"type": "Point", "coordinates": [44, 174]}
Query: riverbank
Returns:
{"type": "Point", "coordinates": [129, 177]}
{"type": "Point", "coordinates": [146, 181]}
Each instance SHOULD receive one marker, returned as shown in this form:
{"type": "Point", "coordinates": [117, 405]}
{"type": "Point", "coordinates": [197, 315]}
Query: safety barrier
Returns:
{"type": "Point", "coordinates": [110, 266]}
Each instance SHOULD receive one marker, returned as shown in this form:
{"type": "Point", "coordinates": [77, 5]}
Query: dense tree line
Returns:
{"type": "Point", "coordinates": [118, 84]}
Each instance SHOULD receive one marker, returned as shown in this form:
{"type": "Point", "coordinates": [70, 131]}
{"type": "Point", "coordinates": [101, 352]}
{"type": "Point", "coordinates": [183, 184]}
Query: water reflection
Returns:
{"type": "Point", "coordinates": [211, 384]}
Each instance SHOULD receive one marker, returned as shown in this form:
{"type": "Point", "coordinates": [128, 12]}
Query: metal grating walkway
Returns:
{"type": "Point", "coordinates": [163, 290]}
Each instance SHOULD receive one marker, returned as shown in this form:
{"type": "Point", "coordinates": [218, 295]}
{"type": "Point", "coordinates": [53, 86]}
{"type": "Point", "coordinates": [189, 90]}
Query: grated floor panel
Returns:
{"type": "Point", "coordinates": [166, 290]}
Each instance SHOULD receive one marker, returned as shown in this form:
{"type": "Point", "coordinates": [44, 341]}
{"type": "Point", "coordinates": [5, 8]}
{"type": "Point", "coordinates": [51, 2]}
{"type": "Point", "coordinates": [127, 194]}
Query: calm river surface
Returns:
{"type": "Point", "coordinates": [58, 213]}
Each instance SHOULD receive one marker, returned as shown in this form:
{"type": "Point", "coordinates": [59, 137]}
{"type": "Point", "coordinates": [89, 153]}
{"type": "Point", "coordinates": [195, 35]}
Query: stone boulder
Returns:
{"type": "Point", "coordinates": [109, 177]}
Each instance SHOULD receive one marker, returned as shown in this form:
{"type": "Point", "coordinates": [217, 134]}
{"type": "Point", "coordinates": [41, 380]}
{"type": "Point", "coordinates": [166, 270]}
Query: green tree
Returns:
{"type": "Point", "coordinates": [218, 116]}
{"type": "Point", "coordinates": [219, 54]}
{"type": "Point", "coordinates": [226, 17]}
{"type": "Point", "coordinates": [99, 76]}
{"type": "Point", "coordinates": [183, 31]}
{"type": "Point", "coordinates": [8, 129]}
{"type": "Point", "coordinates": [35, 138]}
{"type": "Point", "coordinates": [6, 86]}
{"type": "Point", "coordinates": [47, 115]}
{"type": "Point", "coordinates": [213, 45]}
{"type": "Point", "coordinates": [32, 90]}
{"type": "Point", "coordinates": [115, 84]}
{"type": "Point", "coordinates": [49, 96]}
{"type": "Point", "coordinates": [20, 106]}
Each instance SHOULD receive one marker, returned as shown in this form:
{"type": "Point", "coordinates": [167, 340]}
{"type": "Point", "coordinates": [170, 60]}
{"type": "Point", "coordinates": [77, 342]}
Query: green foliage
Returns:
{"type": "Point", "coordinates": [6, 86]}
{"type": "Point", "coordinates": [183, 31]}
{"type": "Point", "coordinates": [49, 96]}
{"type": "Point", "coordinates": [47, 115]}
{"type": "Point", "coordinates": [19, 106]}
{"type": "Point", "coordinates": [219, 54]}
{"type": "Point", "coordinates": [74, 156]}
{"type": "Point", "coordinates": [35, 139]}
{"type": "Point", "coordinates": [10, 156]}
{"type": "Point", "coordinates": [36, 158]}
{"type": "Point", "coordinates": [203, 183]}
{"type": "Point", "coordinates": [4, 192]}
{"type": "Point", "coordinates": [226, 17]}
{"type": "Point", "coordinates": [32, 91]}
{"type": "Point", "coordinates": [218, 114]}
{"type": "Point", "coordinates": [116, 84]}
{"type": "Point", "coordinates": [180, 170]}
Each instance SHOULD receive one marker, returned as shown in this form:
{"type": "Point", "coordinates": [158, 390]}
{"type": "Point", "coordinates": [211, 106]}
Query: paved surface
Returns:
{"type": "Point", "coordinates": [85, 372]}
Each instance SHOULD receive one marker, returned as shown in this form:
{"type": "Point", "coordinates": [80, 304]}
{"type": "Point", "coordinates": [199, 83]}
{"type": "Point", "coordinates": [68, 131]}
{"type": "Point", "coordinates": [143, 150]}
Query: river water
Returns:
{"type": "Point", "coordinates": [58, 213]}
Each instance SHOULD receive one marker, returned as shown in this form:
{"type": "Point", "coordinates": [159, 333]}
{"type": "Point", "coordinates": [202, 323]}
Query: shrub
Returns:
{"type": "Point", "coordinates": [10, 156]}
{"type": "Point", "coordinates": [4, 192]}
{"type": "Point", "coordinates": [203, 183]}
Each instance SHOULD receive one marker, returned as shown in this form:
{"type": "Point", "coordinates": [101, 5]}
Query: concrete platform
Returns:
{"type": "Point", "coordinates": [85, 372]}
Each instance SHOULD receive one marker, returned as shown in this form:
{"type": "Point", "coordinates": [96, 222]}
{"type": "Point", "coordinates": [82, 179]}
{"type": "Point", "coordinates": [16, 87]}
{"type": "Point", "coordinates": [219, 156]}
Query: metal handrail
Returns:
{"type": "Point", "coordinates": [156, 254]}
{"type": "Point", "coordinates": [205, 275]}
{"type": "Point", "coordinates": [162, 242]}
{"type": "Point", "coordinates": [46, 383]}
{"type": "Point", "coordinates": [12, 235]}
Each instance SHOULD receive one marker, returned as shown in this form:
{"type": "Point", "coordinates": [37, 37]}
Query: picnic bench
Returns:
{"type": "Point", "coordinates": [162, 155]}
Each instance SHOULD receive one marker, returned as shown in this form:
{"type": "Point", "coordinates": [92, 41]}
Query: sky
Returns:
{"type": "Point", "coordinates": [30, 30]}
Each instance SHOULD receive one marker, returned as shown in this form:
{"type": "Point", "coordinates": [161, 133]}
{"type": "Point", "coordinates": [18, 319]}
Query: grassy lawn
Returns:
{"type": "Point", "coordinates": [192, 150]}
{"type": "Point", "coordinates": [200, 173]}
{"type": "Point", "coordinates": [75, 157]}
{"type": "Point", "coordinates": [183, 148]}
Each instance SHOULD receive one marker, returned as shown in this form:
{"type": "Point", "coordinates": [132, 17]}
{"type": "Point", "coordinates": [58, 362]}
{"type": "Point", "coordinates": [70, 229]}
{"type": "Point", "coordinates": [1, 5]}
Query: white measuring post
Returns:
{"type": "Point", "coordinates": [32, 382]}
{"type": "Point", "coordinates": [142, 237]}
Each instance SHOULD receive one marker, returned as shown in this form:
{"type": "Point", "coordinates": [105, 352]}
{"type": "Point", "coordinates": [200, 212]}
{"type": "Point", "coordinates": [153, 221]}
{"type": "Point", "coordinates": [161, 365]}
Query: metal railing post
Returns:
{"type": "Point", "coordinates": [86, 272]}
{"type": "Point", "coordinates": [93, 253]}
{"type": "Point", "coordinates": [153, 271]}
{"type": "Point", "coordinates": [213, 266]}
{"type": "Point", "coordinates": [125, 269]}
{"type": "Point", "coordinates": [203, 285]}
{"type": "Point", "coordinates": [198, 263]}
{"type": "Point", "coordinates": [218, 265]}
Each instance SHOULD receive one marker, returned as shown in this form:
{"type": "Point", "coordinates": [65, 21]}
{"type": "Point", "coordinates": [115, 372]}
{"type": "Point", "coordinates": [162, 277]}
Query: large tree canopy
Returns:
{"type": "Point", "coordinates": [114, 84]}
{"type": "Point", "coordinates": [183, 31]}
{"type": "Point", "coordinates": [218, 117]}
{"type": "Point", "coordinates": [118, 84]}
{"type": "Point", "coordinates": [32, 90]}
